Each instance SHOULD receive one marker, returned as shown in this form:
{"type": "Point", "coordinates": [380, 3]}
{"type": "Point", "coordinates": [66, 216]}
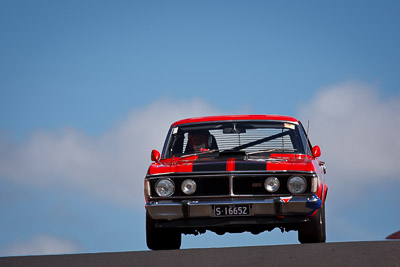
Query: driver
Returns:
{"type": "Point", "coordinates": [198, 141]}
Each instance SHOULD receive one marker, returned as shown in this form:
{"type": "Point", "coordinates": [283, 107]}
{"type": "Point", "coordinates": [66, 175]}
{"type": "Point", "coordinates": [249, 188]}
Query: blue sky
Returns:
{"type": "Point", "coordinates": [88, 88]}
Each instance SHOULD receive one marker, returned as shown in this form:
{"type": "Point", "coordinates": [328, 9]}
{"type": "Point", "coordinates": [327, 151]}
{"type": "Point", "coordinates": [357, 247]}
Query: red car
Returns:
{"type": "Point", "coordinates": [230, 174]}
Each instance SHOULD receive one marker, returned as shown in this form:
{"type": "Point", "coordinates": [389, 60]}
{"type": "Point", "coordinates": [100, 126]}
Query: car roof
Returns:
{"type": "Point", "coordinates": [236, 118]}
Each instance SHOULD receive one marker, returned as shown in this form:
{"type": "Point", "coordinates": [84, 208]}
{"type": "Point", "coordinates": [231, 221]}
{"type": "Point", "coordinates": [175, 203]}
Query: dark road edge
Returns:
{"type": "Point", "coordinates": [367, 253]}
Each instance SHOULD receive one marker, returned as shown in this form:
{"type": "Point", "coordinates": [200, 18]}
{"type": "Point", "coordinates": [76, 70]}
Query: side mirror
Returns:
{"type": "Point", "coordinates": [155, 155]}
{"type": "Point", "coordinates": [316, 151]}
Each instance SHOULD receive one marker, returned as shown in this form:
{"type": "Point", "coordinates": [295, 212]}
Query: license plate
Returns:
{"type": "Point", "coordinates": [231, 210]}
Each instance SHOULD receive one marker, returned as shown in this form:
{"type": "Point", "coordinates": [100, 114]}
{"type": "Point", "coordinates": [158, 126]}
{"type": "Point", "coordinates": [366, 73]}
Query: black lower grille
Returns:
{"type": "Point", "coordinates": [220, 185]}
{"type": "Point", "coordinates": [212, 186]}
{"type": "Point", "coordinates": [206, 186]}
{"type": "Point", "coordinates": [254, 185]}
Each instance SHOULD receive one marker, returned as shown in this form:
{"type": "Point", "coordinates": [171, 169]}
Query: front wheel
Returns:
{"type": "Point", "coordinates": [158, 239]}
{"type": "Point", "coordinates": [314, 231]}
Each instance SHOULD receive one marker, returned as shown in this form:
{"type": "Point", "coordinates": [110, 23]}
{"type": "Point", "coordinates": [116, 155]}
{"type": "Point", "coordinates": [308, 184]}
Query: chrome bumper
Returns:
{"type": "Point", "coordinates": [275, 206]}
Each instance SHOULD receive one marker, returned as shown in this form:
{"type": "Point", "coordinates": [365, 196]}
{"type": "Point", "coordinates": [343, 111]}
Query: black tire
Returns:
{"type": "Point", "coordinates": [314, 231]}
{"type": "Point", "coordinates": [158, 239]}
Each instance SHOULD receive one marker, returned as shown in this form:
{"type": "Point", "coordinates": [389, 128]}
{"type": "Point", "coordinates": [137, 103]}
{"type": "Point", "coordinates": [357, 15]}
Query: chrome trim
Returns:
{"type": "Point", "coordinates": [231, 177]}
{"type": "Point", "coordinates": [226, 173]}
{"type": "Point", "coordinates": [222, 196]}
{"type": "Point", "coordinates": [272, 206]}
{"type": "Point", "coordinates": [231, 186]}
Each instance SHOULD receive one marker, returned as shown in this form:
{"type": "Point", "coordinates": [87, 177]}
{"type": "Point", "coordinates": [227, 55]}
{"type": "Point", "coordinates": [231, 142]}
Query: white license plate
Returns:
{"type": "Point", "coordinates": [231, 210]}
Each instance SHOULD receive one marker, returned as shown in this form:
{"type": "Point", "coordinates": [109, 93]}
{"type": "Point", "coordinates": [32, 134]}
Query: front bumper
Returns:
{"type": "Point", "coordinates": [279, 207]}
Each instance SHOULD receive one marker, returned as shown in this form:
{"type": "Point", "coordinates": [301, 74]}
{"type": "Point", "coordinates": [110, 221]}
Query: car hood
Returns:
{"type": "Point", "coordinates": [196, 164]}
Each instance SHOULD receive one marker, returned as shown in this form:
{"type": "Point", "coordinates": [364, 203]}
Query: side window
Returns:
{"type": "Point", "coordinates": [178, 144]}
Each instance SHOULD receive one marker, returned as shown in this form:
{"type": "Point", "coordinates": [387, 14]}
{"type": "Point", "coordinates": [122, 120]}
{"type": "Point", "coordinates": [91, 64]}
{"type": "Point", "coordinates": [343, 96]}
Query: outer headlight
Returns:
{"type": "Point", "coordinates": [165, 187]}
{"type": "Point", "coordinates": [297, 184]}
{"type": "Point", "coordinates": [272, 184]}
{"type": "Point", "coordinates": [188, 186]}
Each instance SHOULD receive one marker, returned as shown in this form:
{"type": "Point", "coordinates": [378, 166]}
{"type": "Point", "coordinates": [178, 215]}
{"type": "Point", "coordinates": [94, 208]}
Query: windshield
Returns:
{"type": "Point", "coordinates": [252, 138]}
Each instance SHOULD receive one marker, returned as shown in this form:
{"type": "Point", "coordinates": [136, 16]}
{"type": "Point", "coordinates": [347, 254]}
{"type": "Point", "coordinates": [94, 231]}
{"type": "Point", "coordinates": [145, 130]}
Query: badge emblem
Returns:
{"type": "Point", "coordinates": [286, 199]}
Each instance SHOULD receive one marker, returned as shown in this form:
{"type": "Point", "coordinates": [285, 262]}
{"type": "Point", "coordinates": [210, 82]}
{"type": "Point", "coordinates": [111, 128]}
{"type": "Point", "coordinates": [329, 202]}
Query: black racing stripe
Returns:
{"type": "Point", "coordinates": [250, 166]}
{"type": "Point", "coordinates": [209, 166]}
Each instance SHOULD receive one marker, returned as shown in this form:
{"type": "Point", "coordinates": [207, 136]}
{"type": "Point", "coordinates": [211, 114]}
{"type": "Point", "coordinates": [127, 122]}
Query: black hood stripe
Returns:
{"type": "Point", "coordinates": [208, 166]}
{"type": "Point", "coordinates": [201, 165]}
{"type": "Point", "coordinates": [250, 166]}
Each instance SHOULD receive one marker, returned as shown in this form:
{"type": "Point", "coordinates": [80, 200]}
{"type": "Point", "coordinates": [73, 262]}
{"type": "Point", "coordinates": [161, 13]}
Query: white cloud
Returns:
{"type": "Point", "coordinates": [358, 133]}
{"type": "Point", "coordinates": [112, 165]}
{"type": "Point", "coordinates": [356, 129]}
{"type": "Point", "coordinates": [41, 245]}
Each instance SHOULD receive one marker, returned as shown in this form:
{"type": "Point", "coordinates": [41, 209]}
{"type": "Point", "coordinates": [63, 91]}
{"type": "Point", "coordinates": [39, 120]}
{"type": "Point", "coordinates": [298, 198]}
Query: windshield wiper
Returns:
{"type": "Point", "coordinates": [200, 153]}
{"type": "Point", "coordinates": [271, 150]}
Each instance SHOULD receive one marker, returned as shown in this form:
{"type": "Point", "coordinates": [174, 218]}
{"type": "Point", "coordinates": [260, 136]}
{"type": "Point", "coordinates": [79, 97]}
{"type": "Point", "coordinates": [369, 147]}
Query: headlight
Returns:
{"type": "Point", "coordinates": [165, 188]}
{"type": "Point", "coordinates": [272, 184]}
{"type": "Point", "coordinates": [297, 184]}
{"type": "Point", "coordinates": [188, 186]}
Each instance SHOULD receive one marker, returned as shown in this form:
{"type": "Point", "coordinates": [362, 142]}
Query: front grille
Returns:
{"type": "Point", "coordinates": [241, 185]}
{"type": "Point", "coordinates": [206, 186]}
{"type": "Point", "coordinates": [212, 186]}
{"type": "Point", "coordinates": [255, 185]}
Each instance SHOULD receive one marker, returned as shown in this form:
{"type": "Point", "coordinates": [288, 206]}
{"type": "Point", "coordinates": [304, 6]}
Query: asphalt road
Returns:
{"type": "Point", "coordinates": [382, 253]}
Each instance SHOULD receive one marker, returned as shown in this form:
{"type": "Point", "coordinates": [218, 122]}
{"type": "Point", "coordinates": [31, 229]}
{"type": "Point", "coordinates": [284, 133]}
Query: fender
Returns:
{"type": "Point", "coordinates": [323, 198]}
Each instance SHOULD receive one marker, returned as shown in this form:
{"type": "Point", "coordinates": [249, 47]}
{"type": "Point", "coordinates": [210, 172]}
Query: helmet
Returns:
{"type": "Point", "coordinates": [199, 140]}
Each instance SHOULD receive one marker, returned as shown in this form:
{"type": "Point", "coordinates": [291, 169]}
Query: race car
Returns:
{"type": "Point", "coordinates": [231, 174]}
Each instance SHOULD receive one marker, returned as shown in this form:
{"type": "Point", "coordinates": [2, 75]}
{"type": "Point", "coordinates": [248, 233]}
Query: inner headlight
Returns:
{"type": "Point", "coordinates": [297, 184]}
{"type": "Point", "coordinates": [272, 184]}
{"type": "Point", "coordinates": [165, 188]}
{"type": "Point", "coordinates": [188, 186]}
